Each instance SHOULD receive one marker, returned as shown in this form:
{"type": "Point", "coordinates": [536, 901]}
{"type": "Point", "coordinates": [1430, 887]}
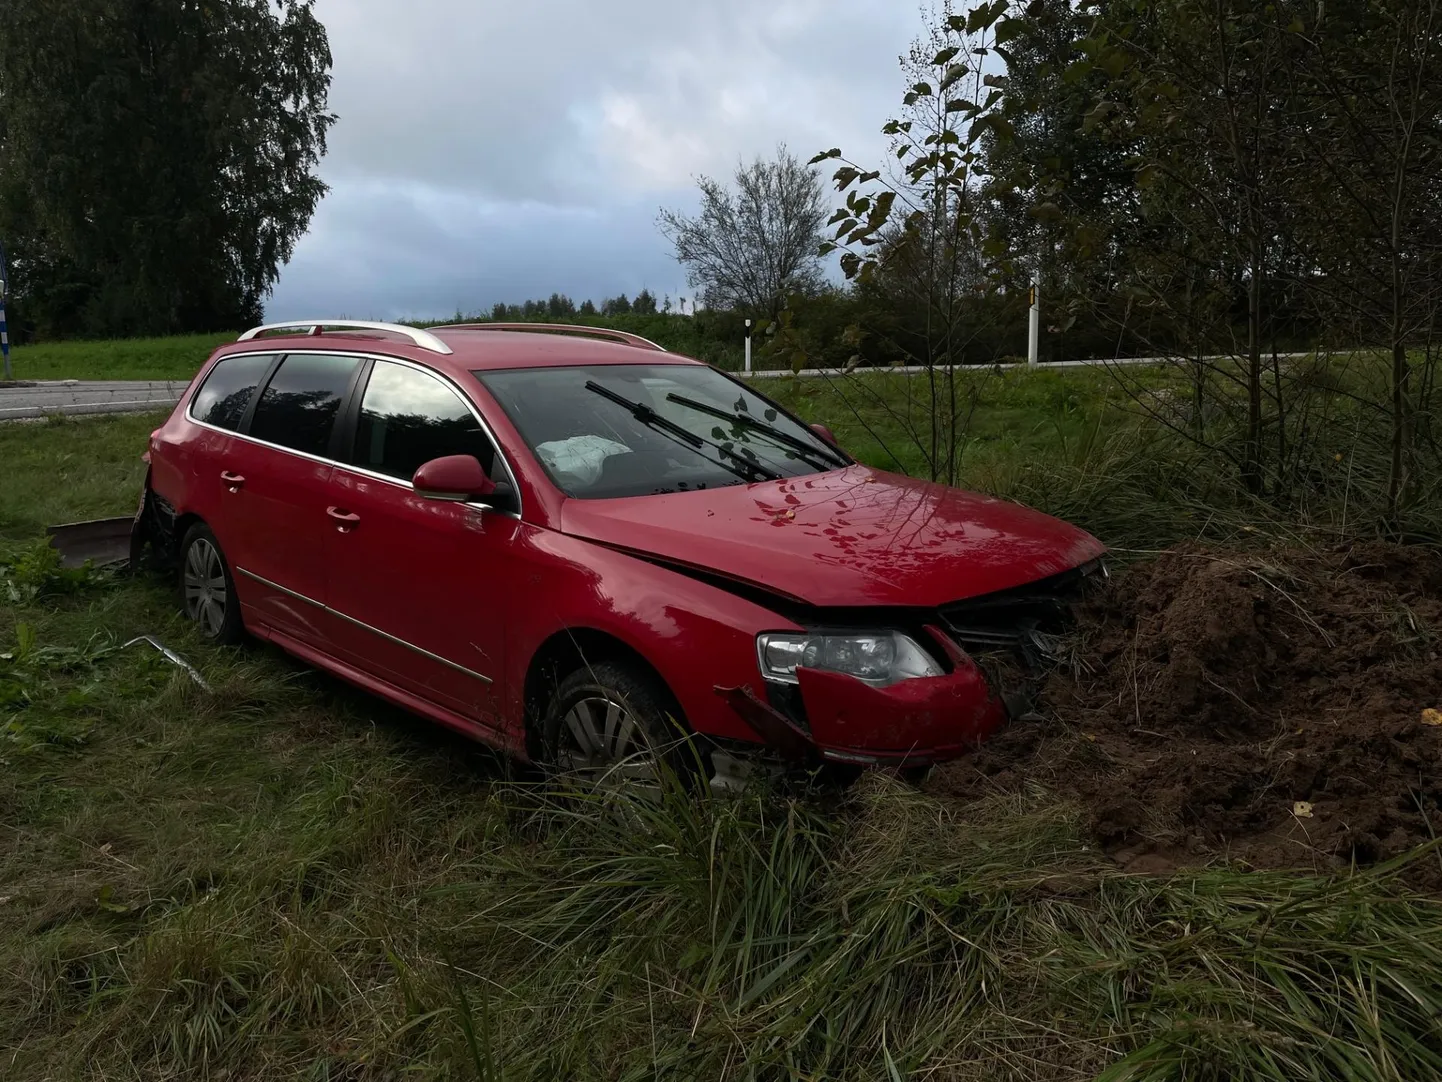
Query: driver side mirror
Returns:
{"type": "Point", "coordinates": [825, 433]}
{"type": "Point", "coordinates": [454, 477]}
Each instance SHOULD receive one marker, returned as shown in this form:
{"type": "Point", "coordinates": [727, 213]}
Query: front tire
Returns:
{"type": "Point", "coordinates": [207, 591]}
{"type": "Point", "coordinates": [613, 724]}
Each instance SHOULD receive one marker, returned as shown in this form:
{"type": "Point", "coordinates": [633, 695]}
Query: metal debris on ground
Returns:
{"type": "Point", "coordinates": [170, 656]}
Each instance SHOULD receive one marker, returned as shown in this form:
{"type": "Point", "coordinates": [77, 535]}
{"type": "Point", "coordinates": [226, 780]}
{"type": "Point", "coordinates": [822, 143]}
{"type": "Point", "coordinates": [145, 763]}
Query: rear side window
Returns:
{"type": "Point", "coordinates": [298, 407]}
{"type": "Point", "coordinates": [223, 397]}
{"type": "Point", "coordinates": [408, 418]}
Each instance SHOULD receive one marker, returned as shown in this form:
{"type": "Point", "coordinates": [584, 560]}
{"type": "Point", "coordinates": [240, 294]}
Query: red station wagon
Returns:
{"type": "Point", "coordinates": [589, 552]}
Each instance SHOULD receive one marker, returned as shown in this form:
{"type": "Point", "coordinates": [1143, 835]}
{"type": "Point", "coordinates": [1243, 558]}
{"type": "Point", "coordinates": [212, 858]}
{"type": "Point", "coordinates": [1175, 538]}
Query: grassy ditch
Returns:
{"type": "Point", "coordinates": [280, 877]}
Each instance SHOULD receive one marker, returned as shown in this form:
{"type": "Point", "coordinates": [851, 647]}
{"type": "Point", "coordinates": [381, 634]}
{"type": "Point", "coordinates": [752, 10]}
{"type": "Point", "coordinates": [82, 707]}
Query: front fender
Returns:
{"type": "Point", "coordinates": [695, 635]}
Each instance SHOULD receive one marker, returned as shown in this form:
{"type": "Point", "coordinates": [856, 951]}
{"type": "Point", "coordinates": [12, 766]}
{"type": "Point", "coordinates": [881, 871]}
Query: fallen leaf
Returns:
{"type": "Point", "coordinates": [1302, 810]}
{"type": "Point", "coordinates": [1431, 716]}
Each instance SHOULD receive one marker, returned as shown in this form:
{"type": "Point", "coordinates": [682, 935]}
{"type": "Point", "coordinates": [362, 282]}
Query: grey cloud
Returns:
{"type": "Point", "coordinates": [382, 253]}
{"type": "Point", "coordinates": [494, 151]}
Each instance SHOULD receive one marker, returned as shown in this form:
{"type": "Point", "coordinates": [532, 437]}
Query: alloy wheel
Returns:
{"type": "Point", "coordinates": [206, 595]}
{"type": "Point", "coordinates": [605, 743]}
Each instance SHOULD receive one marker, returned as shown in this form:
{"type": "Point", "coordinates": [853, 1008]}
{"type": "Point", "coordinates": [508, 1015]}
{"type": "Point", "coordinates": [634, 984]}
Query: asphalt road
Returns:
{"type": "Point", "coordinates": [44, 397]}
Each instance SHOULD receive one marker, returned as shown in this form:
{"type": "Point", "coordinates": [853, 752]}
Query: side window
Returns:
{"type": "Point", "coordinates": [298, 407]}
{"type": "Point", "coordinates": [408, 418]}
{"type": "Point", "coordinates": [223, 397]}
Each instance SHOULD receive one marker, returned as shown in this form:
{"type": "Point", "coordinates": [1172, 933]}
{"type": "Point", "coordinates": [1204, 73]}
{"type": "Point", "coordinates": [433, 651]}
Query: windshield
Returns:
{"type": "Point", "coordinates": [641, 429]}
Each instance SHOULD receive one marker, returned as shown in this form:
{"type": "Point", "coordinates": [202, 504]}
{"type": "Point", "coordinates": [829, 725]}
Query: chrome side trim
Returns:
{"type": "Point", "coordinates": [410, 646]}
{"type": "Point", "coordinates": [365, 626]}
{"type": "Point", "coordinates": [421, 338]}
{"type": "Point", "coordinates": [278, 587]}
{"type": "Point", "coordinates": [397, 481]}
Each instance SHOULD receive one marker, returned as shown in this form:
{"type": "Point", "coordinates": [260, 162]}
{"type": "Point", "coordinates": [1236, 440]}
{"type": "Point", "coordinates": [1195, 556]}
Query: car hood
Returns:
{"type": "Point", "coordinates": [855, 536]}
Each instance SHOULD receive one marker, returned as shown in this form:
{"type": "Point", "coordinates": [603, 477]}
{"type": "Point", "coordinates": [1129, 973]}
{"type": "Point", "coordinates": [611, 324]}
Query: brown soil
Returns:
{"type": "Point", "coordinates": [1214, 690]}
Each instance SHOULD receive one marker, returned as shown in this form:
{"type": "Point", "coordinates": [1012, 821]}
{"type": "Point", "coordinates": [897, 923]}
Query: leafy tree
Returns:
{"type": "Point", "coordinates": [615, 306]}
{"type": "Point", "coordinates": [1366, 75]}
{"type": "Point", "coordinates": [911, 231]}
{"type": "Point", "coordinates": [1044, 164]}
{"type": "Point", "coordinates": [588, 308]}
{"type": "Point", "coordinates": [750, 247]}
{"type": "Point", "coordinates": [560, 306]}
{"type": "Point", "coordinates": [157, 161]}
{"type": "Point", "coordinates": [644, 304]}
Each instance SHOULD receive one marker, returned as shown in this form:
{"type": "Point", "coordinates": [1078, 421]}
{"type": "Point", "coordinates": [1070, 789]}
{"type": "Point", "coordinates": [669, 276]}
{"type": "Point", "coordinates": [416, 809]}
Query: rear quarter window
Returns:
{"type": "Point", "coordinates": [227, 390]}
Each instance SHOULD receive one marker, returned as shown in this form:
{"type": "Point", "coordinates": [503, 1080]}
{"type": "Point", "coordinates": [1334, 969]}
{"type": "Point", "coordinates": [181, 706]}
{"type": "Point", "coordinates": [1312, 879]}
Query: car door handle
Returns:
{"type": "Point", "coordinates": [345, 521]}
{"type": "Point", "coordinates": [233, 480]}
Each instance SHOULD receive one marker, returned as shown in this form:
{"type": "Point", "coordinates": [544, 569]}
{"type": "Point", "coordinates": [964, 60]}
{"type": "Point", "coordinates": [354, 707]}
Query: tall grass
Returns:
{"type": "Point", "coordinates": [893, 938]}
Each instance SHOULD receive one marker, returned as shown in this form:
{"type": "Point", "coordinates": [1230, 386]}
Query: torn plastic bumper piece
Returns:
{"type": "Point", "coordinates": [775, 728]}
{"type": "Point", "coordinates": [101, 542]}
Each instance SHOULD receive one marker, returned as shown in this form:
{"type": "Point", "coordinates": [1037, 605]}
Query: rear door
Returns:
{"type": "Point", "coordinates": [420, 585]}
{"type": "Point", "coordinates": [277, 474]}
{"type": "Point", "coordinates": [188, 471]}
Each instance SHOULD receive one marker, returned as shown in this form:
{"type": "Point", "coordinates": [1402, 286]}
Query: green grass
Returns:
{"type": "Point", "coordinates": [179, 357]}
{"type": "Point", "coordinates": [67, 469]}
{"type": "Point", "coordinates": [282, 878]}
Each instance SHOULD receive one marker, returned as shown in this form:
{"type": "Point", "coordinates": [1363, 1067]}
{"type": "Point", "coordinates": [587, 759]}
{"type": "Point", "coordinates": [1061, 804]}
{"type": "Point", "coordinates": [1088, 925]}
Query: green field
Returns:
{"type": "Point", "coordinates": [130, 358]}
{"type": "Point", "coordinates": [282, 878]}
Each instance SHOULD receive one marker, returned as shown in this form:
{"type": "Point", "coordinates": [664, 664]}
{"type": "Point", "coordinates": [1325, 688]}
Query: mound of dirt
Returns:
{"type": "Point", "coordinates": [1277, 708]}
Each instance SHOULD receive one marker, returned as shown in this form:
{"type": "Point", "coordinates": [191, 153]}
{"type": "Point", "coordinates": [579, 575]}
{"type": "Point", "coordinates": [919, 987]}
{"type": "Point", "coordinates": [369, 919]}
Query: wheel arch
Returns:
{"type": "Point", "coordinates": [563, 653]}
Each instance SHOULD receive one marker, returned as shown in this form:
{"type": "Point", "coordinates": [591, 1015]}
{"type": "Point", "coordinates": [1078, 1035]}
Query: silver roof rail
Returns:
{"type": "Point", "coordinates": [625, 337]}
{"type": "Point", "coordinates": [418, 337]}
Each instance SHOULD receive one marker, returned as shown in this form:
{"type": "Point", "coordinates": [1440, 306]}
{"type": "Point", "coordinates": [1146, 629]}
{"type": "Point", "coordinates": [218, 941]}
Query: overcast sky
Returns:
{"type": "Point", "coordinates": [494, 151]}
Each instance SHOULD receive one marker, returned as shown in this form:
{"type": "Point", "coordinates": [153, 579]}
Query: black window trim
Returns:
{"type": "Point", "coordinates": [344, 428]}
{"type": "Point", "coordinates": [244, 423]}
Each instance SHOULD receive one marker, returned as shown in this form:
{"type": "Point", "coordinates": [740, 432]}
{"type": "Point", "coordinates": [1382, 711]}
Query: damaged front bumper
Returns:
{"type": "Point", "coordinates": [913, 723]}
{"type": "Point", "coordinates": [999, 651]}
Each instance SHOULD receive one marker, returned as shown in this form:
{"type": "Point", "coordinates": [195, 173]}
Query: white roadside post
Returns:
{"type": "Point", "coordinates": [1033, 333]}
{"type": "Point", "coordinates": [4, 328]}
{"type": "Point", "coordinates": [748, 347]}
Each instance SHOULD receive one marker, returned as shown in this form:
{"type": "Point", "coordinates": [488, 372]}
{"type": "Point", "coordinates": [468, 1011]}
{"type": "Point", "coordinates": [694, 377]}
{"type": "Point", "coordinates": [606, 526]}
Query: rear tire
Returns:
{"type": "Point", "coordinates": [615, 723]}
{"type": "Point", "coordinates": [207, 591]}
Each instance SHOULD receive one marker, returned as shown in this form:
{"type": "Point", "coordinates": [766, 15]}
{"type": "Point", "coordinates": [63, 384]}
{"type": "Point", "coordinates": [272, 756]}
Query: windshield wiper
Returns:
{"type": "Point", "coordinates": [745, 468]}
{"type": "Point", "coordinates": [800, 446]}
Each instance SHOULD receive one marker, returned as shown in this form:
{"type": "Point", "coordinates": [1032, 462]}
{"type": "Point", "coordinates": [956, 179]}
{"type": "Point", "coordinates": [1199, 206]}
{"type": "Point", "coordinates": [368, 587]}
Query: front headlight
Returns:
{"type": "Point", "coordinates": [881, 658]}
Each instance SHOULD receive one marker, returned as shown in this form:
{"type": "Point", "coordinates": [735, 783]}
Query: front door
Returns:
{"type": "Point", "coordinates": [419, 585]}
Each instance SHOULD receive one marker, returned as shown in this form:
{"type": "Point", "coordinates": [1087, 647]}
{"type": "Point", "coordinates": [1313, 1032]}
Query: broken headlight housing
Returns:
{"type": "Point", "coordinates": [880, 658]}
